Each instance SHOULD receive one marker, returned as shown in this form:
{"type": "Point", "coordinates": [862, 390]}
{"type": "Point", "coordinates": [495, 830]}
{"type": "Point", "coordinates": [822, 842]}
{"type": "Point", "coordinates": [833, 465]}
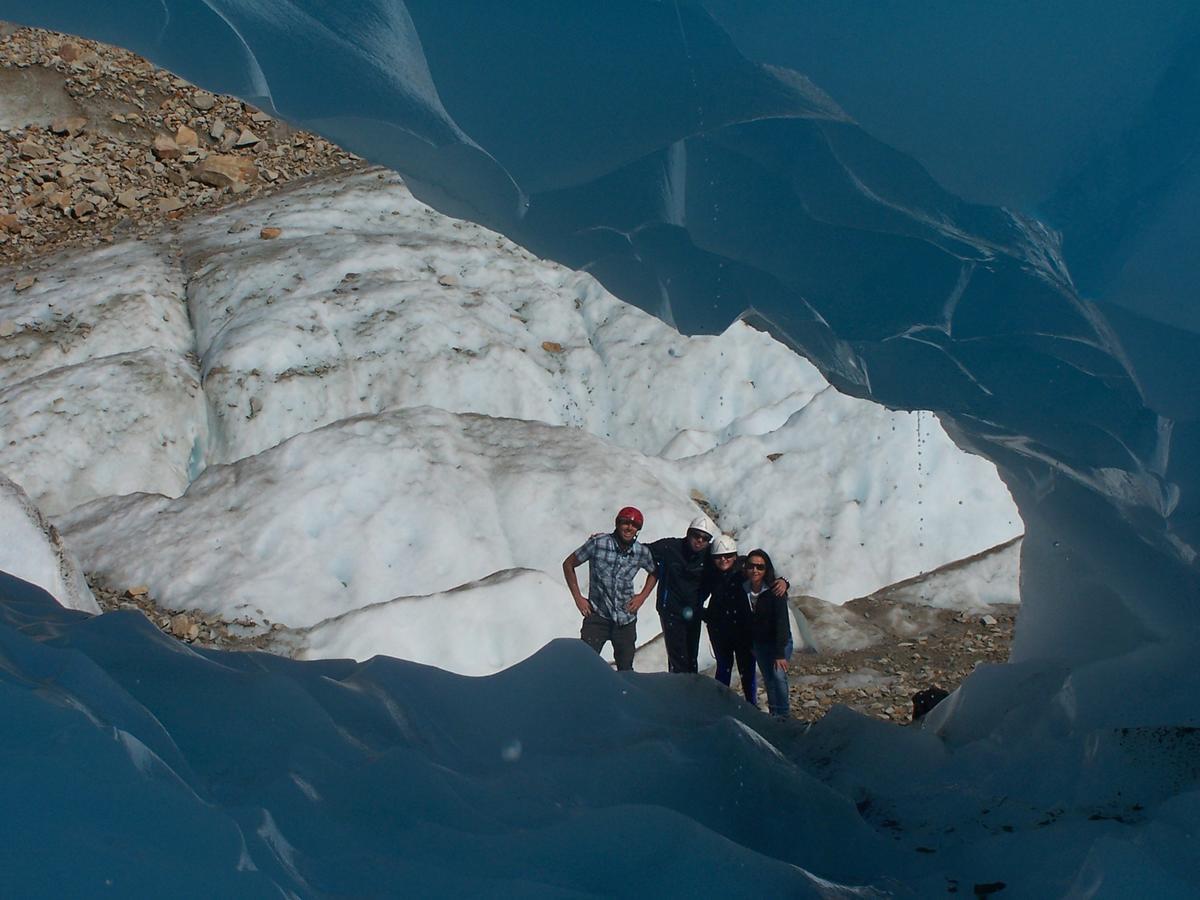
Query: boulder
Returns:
{"type": "Point", "coordinates": [166, 148]}
{"type": "Point", "coordinates": [246, 138]}
{"type": "Point", "coordinates": [68, 125]}
{"type": "Point", "coordinates": [31, 150]}
{"type": "Point", "coordinates": [223, 171]}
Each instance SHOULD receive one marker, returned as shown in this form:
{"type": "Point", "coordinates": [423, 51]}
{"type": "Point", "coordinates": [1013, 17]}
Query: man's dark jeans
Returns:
{"type": "Point", "coordinates": [681, 635]}
{"type": "Point", "coordinates": [597, 630]}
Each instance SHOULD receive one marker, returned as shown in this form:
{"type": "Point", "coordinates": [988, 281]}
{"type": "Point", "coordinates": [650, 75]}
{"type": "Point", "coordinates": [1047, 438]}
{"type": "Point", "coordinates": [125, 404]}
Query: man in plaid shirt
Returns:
{"type": "Point", "coordinates": [610, 612]}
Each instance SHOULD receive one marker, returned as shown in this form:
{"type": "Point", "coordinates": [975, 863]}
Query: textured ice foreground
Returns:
{"type": "Point", "coordinates": [388, 408]}
{"type": "Point", "coordinates": [234, 774]}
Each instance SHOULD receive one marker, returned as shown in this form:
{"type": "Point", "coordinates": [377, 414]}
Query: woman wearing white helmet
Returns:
{"type": "Point", "coordinates": [728, 617]}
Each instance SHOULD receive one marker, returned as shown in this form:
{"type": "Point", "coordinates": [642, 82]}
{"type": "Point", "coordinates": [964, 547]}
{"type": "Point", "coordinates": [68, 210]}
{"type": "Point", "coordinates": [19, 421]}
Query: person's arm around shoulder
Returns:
{"type": "Point", "coordinates": [657, 548]}
{"type": "Point", "coordinates": [570, 564]}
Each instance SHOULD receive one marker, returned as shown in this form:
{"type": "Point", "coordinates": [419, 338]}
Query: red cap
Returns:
{"type": "Point", "coordinates": [632, 513]}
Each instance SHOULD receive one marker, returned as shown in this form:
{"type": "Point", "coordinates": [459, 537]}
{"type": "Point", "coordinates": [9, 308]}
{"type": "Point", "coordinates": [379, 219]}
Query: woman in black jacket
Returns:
{"type": "Point", "coordinates": [770, 630]}
{"type": "Point", "coordinates": [728, 616]}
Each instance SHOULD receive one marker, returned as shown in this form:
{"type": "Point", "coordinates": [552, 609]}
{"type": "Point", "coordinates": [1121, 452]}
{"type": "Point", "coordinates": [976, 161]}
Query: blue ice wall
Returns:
{"type": "Point", "coordinates": [983, 210]}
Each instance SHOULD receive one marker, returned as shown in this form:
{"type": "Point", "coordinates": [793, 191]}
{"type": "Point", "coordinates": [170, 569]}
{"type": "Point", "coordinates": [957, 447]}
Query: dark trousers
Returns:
{"type": "Point", "coordinates": [682, 638]}
{"type": "Point", "coordinates": [597, 630]}
{"type": "Point", "coordinates": [728, 646]}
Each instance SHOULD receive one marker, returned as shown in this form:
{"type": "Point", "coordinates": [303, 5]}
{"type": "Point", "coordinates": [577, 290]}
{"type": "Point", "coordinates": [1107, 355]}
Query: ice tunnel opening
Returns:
{"type": "Point", "coordinates": [896, 289]}
{"type": "Point", "coordinates": [1071, 766]}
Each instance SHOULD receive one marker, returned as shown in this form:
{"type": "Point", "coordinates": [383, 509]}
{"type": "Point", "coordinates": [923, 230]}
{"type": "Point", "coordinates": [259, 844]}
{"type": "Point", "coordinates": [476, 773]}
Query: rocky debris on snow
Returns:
{"type": "Point", "coordinates": [189, 626]}
{"type": "Point", "coordinates": [909, 649]}
{"type": "Point", "coordinates": [96, 141]}
{"type": "Point", "coordinates": [880, 680]}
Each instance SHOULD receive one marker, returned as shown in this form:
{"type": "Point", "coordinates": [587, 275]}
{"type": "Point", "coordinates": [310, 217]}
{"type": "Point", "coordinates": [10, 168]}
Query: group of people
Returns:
{"type": "Point", "coordinates": [700, 578]}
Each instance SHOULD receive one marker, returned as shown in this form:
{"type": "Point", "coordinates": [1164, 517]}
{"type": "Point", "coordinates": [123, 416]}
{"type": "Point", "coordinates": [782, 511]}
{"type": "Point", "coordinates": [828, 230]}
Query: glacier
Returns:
{"type": "Point", "coordinates": [838, 177]}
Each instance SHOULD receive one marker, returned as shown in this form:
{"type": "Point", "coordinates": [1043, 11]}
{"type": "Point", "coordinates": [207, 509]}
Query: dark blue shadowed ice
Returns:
{"type": "Point", "coordinates": [983, 211]}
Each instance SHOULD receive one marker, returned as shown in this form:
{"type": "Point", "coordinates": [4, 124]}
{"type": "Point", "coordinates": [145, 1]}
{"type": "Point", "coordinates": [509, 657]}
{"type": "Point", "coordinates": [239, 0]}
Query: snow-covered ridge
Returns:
{"type": "Point", "coordinates": [381, 402]}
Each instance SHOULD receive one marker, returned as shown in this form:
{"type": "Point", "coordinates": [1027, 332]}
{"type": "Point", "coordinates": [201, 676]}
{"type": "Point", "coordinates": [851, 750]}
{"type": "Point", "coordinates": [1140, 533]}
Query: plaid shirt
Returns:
{"type": "Point", "coordinates": [610, 575]}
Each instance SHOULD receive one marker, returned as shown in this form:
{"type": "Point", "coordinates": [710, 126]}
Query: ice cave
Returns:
{"type": "Point", "coordinates": [982, 212]}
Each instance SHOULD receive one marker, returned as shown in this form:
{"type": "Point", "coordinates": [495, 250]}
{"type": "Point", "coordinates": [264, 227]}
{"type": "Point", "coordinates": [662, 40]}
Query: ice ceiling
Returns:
{"type": "Point", "coordinates": [944, 206]}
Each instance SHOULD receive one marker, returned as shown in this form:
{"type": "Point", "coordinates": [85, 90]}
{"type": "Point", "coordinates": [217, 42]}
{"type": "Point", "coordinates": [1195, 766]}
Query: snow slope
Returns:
{"type": "Point", "coordinates": [385, 404]}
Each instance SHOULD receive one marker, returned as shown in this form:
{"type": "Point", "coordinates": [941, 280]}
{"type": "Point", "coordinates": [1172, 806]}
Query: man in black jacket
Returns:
{"type": "Point", "coordinates": [681, 564]}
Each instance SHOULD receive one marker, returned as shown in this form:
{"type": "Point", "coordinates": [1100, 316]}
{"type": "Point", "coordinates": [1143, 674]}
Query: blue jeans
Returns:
{"type": "Point", "coordinates": [775, 681]}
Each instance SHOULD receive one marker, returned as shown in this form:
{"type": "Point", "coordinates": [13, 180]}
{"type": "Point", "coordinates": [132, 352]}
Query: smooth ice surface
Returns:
{"type": "Point", "coordinates": [319, 777]}
{"type": "Point", "coordinates": [245, 775]}
{"type": "Point", "coordinates": [667, 148]}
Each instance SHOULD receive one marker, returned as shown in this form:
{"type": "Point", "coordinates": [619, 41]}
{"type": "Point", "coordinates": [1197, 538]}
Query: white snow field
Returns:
{"type": "Point", "coordinates": [386, 410]}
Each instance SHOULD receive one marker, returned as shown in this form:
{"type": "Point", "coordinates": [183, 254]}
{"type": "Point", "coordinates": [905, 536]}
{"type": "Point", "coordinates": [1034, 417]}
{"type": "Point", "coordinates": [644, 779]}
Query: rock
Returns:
{"type": "Point", "coordinates": [7, 328]}
{"type": "Point", "coordinates": [68, 52]}
{"type": "Point", "coordinates": [103, 188]}
{"type": "Point", "coordinates": [989, 621]}
{"type": "Point", "coordinates": [193, 632]}
{"type": "Point", "coordinates": [166, 148]}
{"type": "Point", "coordinates": [170, 204]}
{"type": "Point", "coordinates": [31, 150]}
{"type": "Point", "coordinates": [552, 346]}
{"type": "Point", "coordinates": [186, 137]}
{"type": "Point", "coordinates": [773, 457]}
{"type": "Point", "coordinates": [83, 208]}
{"type": "Point", "coordinates": [270, 233]}
{"type": "Point", "coordinates": [217, 130]}
{"type": "Point", "coordinates": [69, 125]}
{"type": "Point", "coordinates": [224, 171]}
{"type": "Point", "coordinates": [10, 223]}
{"type": "Point", "coordinates": [203, 101]}
{"type": "Point", "coordinates": [261, 118]}
{"type": "Point", "coordinates": [246, 138]}
{"type": "Point", "coordinates": [181, 624]}
{"type": "Point", "coordinates": [131, 198]}
{"type": "Point", "coordinates": [25, 283]}
{"type": "Point", "coordinates": [140, 590]}
{"type": "Point", "coordinates": [447, 280]}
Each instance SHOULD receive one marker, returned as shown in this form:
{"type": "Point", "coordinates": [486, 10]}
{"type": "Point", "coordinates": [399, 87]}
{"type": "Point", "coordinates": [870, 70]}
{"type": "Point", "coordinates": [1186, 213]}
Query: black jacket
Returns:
{"type": "Point", "coordinates": [769, 622]}
{"type": "Point", "coordinates": [680, 574]}
{"type": "Point", "coordinates": [728, 610]}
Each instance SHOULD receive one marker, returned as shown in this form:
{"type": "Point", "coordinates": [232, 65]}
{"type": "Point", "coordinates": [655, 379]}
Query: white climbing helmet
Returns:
{"type": "Point", "coordinates": [723, 545]}
{"type": "Point", "coordinates": [705, 524]}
